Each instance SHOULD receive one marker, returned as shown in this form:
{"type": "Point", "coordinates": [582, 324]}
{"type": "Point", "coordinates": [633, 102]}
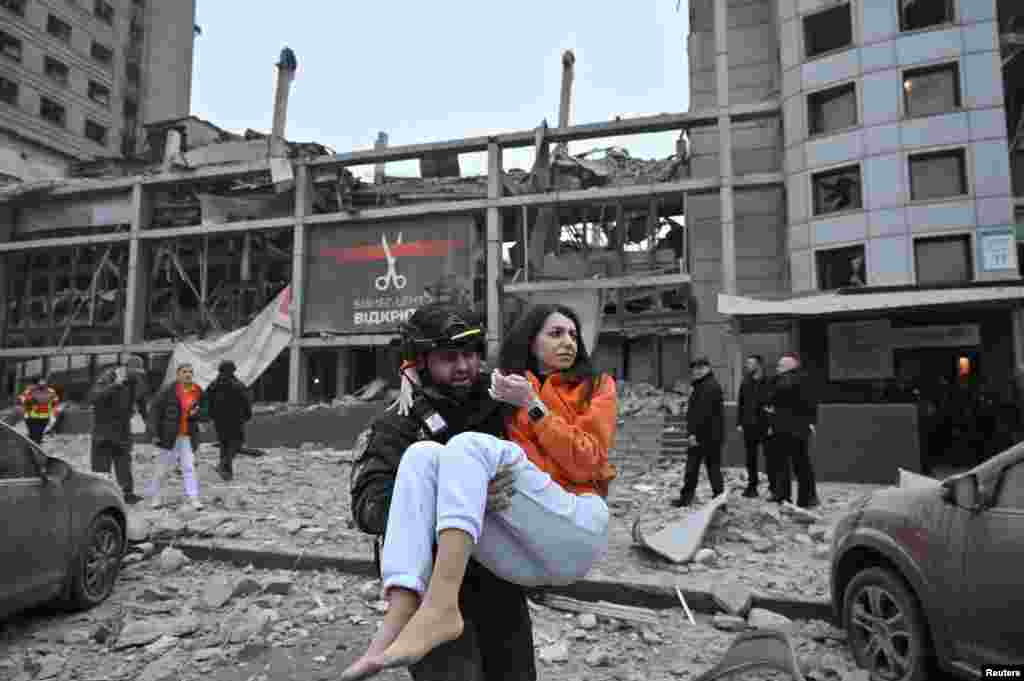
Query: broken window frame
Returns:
{"type": "Point", "coordinates": [100, 134]}
{"type": "Point", "coordinates": [943, 273]}
{"type": "Point", "coordinates": [56, 70]}
{"type": "Point", "coordinates": [103, 11]}
{"type": "Point", "coordinates": [818, 101]}
{"type": "Point", "coordinates": [58, 28]}
{"type": "Point", "coordinates": [102, 54]}
{"type": "Point", "coordinates": [53, 112]}
{"type": "Point", "coordinates": [834, 267]}
{"type": "Point", "coordinates": [811, 30]}
{"type": "Point", "coordinates": [949, 13]}
{"type": "Point", "coordinates": [99, 93]}
{"type": "Point", "coordinates": [917, 161]}
{"type": "Point", "coordinates": [11, 47]}
{"type": "Point", "coordinates": [856, 201]}
{"type": "Point", "coordinates": [14, 6]}
{"type": "Point", "coordinates": [10, 91]}
{"type": "Point", "coordinates": [925, 72]}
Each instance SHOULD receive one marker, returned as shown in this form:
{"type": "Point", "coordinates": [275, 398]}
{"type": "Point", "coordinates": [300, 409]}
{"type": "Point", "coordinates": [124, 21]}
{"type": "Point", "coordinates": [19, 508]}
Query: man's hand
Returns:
{"type": "Point", "coordinates": [739, 428]}
{"type": "Point", "coordinates": [693, 440]}
{"type": "Point", "coordinates": [813, 431]}
{"type": "Point", "coordinates": [501, 490]}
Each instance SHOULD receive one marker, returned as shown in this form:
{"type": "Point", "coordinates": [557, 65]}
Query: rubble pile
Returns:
{"type": "Point", "coordinates": [643, 399]}
{"type": "Point", "coordinates": [211, 620]}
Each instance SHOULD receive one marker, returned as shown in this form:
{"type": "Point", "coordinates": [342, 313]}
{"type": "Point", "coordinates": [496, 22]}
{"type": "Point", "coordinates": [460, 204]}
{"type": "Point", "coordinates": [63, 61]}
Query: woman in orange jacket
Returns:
{"type": "Point", "coordinates": [556, 526]}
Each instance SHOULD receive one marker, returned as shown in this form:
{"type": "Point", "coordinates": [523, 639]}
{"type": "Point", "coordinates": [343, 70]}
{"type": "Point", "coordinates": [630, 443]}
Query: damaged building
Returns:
{"type": "Point", "coordinates": [196, 234]}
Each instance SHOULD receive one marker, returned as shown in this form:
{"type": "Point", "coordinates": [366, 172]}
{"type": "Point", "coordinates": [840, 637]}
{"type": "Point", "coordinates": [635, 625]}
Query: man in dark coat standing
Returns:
{"type": "Point", "coordinates": [115, 396]}
{"type": "Point", "coordinates": [751, 417]}
{"type": "Point", "coordinates": [226, 401]}
{"type": "Point", "coordinates": [792, 413]}
{"type": "Point", "coordinates": [705, 423]}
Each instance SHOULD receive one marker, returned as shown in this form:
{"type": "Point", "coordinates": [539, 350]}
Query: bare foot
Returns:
{"type": "Point", "coordinates": [428, 628]}
{"type": "Point", "coordinates": [400, 610]}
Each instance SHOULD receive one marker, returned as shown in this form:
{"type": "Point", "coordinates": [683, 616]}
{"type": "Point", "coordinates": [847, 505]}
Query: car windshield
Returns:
{"type": "Point", "coordinates": [18, 455]}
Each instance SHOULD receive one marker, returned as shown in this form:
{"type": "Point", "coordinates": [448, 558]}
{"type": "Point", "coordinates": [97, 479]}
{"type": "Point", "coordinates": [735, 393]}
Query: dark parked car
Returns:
{"type": "Point", "coordinates": [63, 534]}
{"type": "Point", "coordinates": [933, 577]}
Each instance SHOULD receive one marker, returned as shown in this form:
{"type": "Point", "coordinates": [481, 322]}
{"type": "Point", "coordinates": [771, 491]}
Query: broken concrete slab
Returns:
{"type": "Point", "coordinates": [759, 618]}
{"type": "Point", "coordinates": [681, 540]}
{"type": "Point", "coordinates": [734, 599]}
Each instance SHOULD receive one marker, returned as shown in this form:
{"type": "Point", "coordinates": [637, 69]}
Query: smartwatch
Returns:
{"type": "Point", "coordinates": [537, 411]}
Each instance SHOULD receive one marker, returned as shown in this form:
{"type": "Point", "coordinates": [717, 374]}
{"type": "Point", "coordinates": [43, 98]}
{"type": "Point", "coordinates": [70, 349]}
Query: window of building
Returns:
{"type": "Point", "coordinates": [832, 109]}
{"type": "Point", "coordinates": [99, 93]}
{"type": "Point", "coordinates": [16, 6]}
{"type": "Point", "coordinates": [104, 11]}
{"type": "Point", "coordinates": [102, 54]}
{"type": "Point", "coordinates": [943, 260]}
{"type": "Point", "coordinates": [96, 132]}
{"type": "Point", "coordinates": [132, 72]}
{"type": "Point", "coordinates": [52, 111]}
{"type": "Point", "coordinates": [58, 28]}
{"type": "Point", "coordinates": [837, 190]}
{"type": "Point", "coordinates": [56, 70]}
{"type": "Point", "coordinates": [938, 175]}
{"type": "Point", "coordinates": [841, 268]}
{"type": "Point", "coordinates": [931, 90]}
{"type": "Point", "coordinates": [8, 91]}
{"type": "Point", "coordinates": [827, 31]}
{"type": "Point", "coordinates": [918, 14]}
{"type": "Point", "coordinates": [10, 46]}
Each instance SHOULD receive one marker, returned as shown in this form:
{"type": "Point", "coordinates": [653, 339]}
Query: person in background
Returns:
{"type": "Point", "coordinates": [226, 401]}
{"type": "Point", "coordinates": [705, 423]}
{"type": "Point", "coordinates": [173, 420]}
{"type": "Point", "coordinates": [39, 405]}
{"type": "Point", "coordinates": [115, 396]}
{"type": "Point", "coordinates": [751, 417]}
{"type": "Point", "coordinates": [792, 415]}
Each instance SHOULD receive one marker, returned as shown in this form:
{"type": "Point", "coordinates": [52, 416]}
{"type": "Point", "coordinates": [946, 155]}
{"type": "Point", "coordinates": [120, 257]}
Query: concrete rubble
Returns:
{"type": "Point", "coordinates": [325, 620]}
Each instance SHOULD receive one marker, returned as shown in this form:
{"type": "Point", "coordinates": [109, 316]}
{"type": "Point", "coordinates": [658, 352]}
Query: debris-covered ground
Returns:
{"type": "Point", "coordinates": [171, 619]}
{"type": "Point", "coordinates": [296, 499]}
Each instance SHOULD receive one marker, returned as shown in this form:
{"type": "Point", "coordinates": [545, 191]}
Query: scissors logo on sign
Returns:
{"type": "Point", "coordinates": [385, 281]}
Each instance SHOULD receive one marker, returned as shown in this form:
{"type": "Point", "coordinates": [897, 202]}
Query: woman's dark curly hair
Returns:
{"type": "Point", "coordinates": [517, 356]}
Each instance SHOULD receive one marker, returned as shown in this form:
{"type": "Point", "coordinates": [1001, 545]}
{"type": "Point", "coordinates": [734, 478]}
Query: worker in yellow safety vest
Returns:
{"type": "Point", "coordinates": [39, 405]}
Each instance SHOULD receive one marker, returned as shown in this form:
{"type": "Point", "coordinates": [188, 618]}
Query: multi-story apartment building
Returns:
{"type": "Point", "coordinates": [79, 78]}
{"type": "Point", "coordinates": [888, 253]}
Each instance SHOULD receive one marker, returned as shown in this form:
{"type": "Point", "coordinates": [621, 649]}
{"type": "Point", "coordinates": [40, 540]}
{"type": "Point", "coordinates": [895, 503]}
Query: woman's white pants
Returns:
{"type": "Point", "coordinates": [547, 536]}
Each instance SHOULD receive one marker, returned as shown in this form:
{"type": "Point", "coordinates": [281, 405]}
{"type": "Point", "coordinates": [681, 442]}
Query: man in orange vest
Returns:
{"type": "Point", "coordinates": [38, 405]}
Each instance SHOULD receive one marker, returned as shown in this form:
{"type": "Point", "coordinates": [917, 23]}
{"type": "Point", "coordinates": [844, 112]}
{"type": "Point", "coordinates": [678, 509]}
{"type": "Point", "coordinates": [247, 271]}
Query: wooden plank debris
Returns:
{"type": "Point", "coordinates": [603, 608]}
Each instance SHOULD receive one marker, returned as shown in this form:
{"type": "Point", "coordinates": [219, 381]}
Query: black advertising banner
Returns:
{"type": "Point", "coordinates": [370, 278]}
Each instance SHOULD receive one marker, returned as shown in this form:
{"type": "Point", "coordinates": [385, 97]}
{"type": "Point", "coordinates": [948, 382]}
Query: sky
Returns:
{"type": "Point", "coordinates": [443, 70]}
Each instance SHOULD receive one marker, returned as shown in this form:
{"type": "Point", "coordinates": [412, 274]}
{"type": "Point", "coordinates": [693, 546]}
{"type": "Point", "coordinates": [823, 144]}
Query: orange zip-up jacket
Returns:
{"type": "Point", "coordinates": [571, 443]}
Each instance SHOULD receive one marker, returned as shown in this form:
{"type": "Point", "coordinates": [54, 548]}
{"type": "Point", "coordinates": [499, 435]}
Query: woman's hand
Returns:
{"type": "Point", "coordinates": [512, 389]}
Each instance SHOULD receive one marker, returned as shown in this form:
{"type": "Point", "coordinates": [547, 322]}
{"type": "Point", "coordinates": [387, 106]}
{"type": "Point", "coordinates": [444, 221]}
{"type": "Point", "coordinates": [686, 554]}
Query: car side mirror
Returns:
{"type": "Point", "coordinates": [56, 470]}
{"type": "Point", "coordinates": [962, 491]}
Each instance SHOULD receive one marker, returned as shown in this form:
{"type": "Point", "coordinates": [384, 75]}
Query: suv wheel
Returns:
{"type": "Point", "coordinates": [885, 628]}
{"type": "Point", "coordinates": [98, 564]}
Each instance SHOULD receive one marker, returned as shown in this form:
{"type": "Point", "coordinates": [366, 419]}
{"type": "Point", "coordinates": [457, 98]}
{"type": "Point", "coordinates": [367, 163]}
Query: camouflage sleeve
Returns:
{"type": "Point", "coordinates": [378, 451]}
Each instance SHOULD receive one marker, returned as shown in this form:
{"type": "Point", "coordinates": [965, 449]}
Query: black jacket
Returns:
{"type": "Point", "coordinates": [705, 415]}
{"type": "Point", "coordinates": [795, 408]}
{"type": "Point", "coordinates": [164, 416]}
{"type": "Point", "coordinates": [750, 406]}
{"type": "Point", "coordinates": [226, 401]}
{"type": "Point", "coordinates": [501, 648]}
{"type": "Point", "coordinates": [114, 403]}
